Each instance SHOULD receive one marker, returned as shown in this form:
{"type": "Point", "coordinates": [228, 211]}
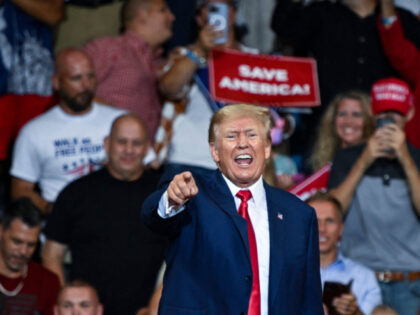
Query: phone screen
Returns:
{"type": "Point", "coordinates": [218, 16]}
{"type": "Point", "coordinates": [331, 291]}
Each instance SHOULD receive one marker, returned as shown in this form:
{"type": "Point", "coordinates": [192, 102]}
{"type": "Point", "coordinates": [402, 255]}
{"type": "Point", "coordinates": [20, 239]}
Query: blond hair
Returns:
{"type": "Point", "coordinates": [259, 113]}
{"type": "Point", "coordinates": [327, 141]}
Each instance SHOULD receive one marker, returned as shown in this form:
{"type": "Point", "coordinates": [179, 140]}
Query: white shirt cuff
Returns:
{"type": "Point", "coordinates": [165, 211]}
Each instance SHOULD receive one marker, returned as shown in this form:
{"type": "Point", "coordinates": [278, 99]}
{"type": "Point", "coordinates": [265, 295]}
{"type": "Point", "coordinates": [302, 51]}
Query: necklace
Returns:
{"type": "Point", "coordinates": [18, 287]}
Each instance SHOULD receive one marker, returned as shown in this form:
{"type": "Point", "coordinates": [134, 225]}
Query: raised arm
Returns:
{"type": "Point", "coordinates": [401, 52]}
{"type": "Point", "coordinates": [47, 11]}
{"type": "Point", "coordinates": [53, 257]}
{"type": "Point", "coordinates": [398, 143]}
{"type": "Point", "coordinates": [185, 63]}
{"type": "Point", "coordinates": [163, 211]}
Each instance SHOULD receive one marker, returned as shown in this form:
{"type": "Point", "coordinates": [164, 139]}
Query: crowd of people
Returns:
{"type": "Point", "coordinates": [127, 189]}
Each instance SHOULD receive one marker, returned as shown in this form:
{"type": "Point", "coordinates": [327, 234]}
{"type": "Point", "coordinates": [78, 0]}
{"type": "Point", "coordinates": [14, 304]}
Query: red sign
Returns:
{"type": "Point", "coordinates": [317, 181]}
{"type": "Point", "coordinates": [237, 77]}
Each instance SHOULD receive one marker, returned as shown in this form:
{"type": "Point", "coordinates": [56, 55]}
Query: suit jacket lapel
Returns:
{"type": "Point", "coordinates": [277, 241]}
{"type": "Point", "coordinates": [221, 195]}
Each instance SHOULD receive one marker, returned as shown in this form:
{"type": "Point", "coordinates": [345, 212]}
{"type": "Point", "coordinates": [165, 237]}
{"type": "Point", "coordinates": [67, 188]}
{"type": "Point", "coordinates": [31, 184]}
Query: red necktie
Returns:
{"type": "Point", "coordinates": [254, 302]}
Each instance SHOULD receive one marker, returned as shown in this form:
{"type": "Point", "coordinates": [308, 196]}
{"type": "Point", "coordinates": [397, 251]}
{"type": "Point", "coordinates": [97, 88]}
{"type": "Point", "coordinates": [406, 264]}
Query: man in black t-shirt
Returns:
{"type": "Point", "coordinates": [97, 218]}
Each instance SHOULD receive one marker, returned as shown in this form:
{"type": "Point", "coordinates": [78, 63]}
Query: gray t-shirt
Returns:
{"type": "Point", "coordinates": [382, 228]}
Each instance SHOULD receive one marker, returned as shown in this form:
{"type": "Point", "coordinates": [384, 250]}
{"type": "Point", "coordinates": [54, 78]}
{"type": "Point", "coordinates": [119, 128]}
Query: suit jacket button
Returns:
{"type": "Point", "coordinates": [248, 278]}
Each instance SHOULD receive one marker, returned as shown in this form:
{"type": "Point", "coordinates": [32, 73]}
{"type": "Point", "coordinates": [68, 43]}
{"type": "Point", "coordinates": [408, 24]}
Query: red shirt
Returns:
{"type": "Point", "coordinates": [127, 75]}
{"type": "Point", "coordinates": [405, 57]}
{"type": "Point", "coordinates": [38, 294]}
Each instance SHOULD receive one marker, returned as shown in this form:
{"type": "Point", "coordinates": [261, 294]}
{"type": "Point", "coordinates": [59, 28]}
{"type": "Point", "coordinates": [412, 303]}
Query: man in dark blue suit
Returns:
{"type": "Point", "coordinates": [238, 245]}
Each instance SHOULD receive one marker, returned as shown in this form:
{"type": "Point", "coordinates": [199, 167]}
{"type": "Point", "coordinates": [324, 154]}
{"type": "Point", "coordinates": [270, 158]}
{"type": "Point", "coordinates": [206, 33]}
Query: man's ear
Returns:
{"type": "Point", "coordinates": [214, 152]}
{"type": "Point", "coordinates": [267, 150]}
{"type": "Point", "coordinates": [410, 113]}
{"type": "Point", "coordinates": [141, 15]}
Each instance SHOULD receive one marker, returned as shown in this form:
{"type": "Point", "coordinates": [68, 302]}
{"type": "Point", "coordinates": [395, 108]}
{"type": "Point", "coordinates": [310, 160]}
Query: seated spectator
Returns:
{"type": "Point", "coordinates": [378, 183]}
{"type": "Point", "coordinates": [24, 285]}
{"type": "Point", "coordinates": [346, 122]}
{"type": "Point", "coordinates": [186, 80]}
{"type": "Point", "coordinates": [78, 297]}
{"type": "Point", "coordinates": [127, 65]}
{"type": "Point", "coordinates": [97, 218]}
{"type": "Point", "coordinates": [66, 142]}
{"type": "Point", "coordinates": [365, 293]}
{"type": "Point", "coordinates": [404, 55]}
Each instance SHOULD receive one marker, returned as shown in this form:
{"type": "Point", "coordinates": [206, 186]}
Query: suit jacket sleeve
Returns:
{"type": "Point", "coordinates": [169, 226]}
{"type": "Point", "coordinates": [313, 290]}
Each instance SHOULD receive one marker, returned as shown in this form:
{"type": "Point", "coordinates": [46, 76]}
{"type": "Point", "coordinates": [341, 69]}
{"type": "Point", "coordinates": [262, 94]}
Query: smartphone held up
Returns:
{"type": "Point", "coordinates": [218, 16]}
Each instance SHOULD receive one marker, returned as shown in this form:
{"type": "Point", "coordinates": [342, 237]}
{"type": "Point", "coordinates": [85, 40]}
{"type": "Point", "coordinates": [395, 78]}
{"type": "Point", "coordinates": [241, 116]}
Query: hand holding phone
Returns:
{"type": "Point", "coordinates": [218, 17]}
{"type": "Point", "coordinates": [382, 122]}
{"type": "Point", "coordinates": [331, 291]}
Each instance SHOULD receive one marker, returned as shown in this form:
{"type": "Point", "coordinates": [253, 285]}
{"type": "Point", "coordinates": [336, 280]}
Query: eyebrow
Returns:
{"type": "Point", "coordinates": [237, 131]}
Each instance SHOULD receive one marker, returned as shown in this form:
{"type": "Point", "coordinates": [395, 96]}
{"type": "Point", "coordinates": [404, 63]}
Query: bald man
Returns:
{"type": "Point", "coordinates": [66, 142]}
{"type": "Point", "coordinates": [97, 218]}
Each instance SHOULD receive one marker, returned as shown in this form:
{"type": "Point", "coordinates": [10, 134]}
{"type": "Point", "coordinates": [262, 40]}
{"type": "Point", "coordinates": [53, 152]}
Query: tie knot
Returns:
{"type": "Point", "coordinates": [244, 195]}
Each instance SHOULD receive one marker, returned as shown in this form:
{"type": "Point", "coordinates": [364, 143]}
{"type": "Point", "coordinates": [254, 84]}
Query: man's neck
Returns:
{"type": "Point", "coordinates": [134, 29]}
{"type": "Point", "coordinates": [125, 177]}
{"type": "Point", "coordinates": [328, 258]}
{"type": "Point", "coordinates": [362, 8]}
{"type": "Point", "coordinates": [69, 111]}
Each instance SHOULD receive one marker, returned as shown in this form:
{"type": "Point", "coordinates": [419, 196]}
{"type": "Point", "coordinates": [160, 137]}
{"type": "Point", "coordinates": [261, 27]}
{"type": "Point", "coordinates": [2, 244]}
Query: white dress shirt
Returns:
{"type": "Point", "coordinates": [257, 209]}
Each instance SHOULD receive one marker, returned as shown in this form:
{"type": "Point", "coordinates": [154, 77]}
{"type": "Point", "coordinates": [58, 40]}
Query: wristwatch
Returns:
{"type": "Point", "coordinates": [388, 21]}
{"type": "Point", "coordinates": [199, 61]}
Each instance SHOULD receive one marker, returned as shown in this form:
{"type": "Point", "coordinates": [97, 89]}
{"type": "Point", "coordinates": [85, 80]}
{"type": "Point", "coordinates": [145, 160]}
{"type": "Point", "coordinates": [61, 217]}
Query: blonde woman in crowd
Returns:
{"type": "Point", "coordinates": [346, 122]}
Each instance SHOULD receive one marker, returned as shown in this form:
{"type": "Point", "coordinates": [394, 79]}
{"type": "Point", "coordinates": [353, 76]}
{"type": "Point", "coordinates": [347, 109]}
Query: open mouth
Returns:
{"type": "Point", "coordinates": [322, 239]}
{"type": "Point", "coordinates": [244, 159]}
{"type": "Point", "coordinates": [348, 131]}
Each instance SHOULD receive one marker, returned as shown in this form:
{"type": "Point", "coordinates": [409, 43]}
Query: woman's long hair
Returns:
{"type": "Point", "coordinates": [327, 141]}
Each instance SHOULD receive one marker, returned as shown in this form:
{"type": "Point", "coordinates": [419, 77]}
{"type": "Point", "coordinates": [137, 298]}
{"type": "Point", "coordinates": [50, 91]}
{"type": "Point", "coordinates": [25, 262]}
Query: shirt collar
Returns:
{"type": "Point", "coordinates": [340, 262]}
{"type": "Point", "coordinates": [257, 189]}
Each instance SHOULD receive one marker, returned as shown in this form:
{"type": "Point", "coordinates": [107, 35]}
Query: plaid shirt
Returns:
{"type": "Point", "coordinates": [127, 75]}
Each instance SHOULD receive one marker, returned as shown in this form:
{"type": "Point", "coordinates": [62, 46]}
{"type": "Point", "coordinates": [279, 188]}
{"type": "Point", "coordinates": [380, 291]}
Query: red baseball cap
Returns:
{"type": "Point", "coordinates": [391, 94]}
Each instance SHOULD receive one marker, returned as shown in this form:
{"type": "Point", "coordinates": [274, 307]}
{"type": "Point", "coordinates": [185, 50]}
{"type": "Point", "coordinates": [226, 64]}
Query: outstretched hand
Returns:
{"type": "Point", "coordinates": [181, 189]}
